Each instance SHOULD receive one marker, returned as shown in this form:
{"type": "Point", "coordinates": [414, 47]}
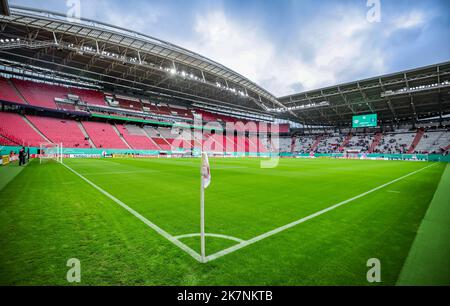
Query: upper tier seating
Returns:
{"type": "Point", "coordinates": [136, 137]}
{"type": "Point", "coordinates": [62, 131]}
{"type": "Point", "coordinates": [41, 94]}
{"type": "Point", "coordinates": [128, 104]}
{"type": "Point", "coordinates": [103, 135]}
{"type": "Point", "coordinates": [89, 96]}
{"type": "Point", "coordinates": [181, 111]}
{"type": "Point", "coordinates": [14, 125]}
{"type": "Point", "coordinates": [7, 93]}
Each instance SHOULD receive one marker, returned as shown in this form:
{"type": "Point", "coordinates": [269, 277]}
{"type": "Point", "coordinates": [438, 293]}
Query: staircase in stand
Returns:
{"type": "Point", "coordinates": [375, 142]}
{"type": "Point", "coordinates": [19, 94]}
{"type": "Point", "coordinates": [121, 136]}
{"type": "Point", "coordinates": [345, 143]}
{"type": "Point", "coordinates": [35, 128]}
{"type": "Point", "coordinates": [85, 133]}
{"type": "Point", "coordinates": [293, 142]}
{"type": "Point", "coordinates": [316, 143]}
{"type": "Point", "coordinates": [416, 141]}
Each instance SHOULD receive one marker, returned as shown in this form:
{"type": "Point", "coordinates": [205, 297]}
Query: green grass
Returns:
{"type": "Point", "coordinates": [428, 262]}
{"type": "Point", "coordinates": [48, 215]}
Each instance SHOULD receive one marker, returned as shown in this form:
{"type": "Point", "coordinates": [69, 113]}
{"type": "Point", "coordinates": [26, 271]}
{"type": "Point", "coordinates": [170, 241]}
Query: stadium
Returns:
{"type": "Point", "coordinates": [149, 164]}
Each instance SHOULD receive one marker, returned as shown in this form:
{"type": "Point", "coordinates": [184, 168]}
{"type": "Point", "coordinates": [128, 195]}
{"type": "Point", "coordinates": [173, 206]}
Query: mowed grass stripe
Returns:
{"type": "Point", "coordinates": [240, 202]}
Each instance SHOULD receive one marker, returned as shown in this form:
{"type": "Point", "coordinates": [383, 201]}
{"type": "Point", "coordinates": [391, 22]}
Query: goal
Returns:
{"type": "Point", "coordinates": [50, 151]}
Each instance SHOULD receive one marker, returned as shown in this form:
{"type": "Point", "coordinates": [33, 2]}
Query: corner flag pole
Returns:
{"type": "Point", "coordinates": [205, 175]}
{"type": "Point", "coordinates": [202, 216]}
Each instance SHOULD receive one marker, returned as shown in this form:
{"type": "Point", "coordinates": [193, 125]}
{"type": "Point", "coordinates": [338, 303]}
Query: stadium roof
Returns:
{"type": "Point", "coordinates": [51, 46]}
{"type": "Point", "coordinates": [406, 96]}
{"type": "Point", "coordinates": [4, 7]}
{"type": "Point", "coordinates": [117, 57]}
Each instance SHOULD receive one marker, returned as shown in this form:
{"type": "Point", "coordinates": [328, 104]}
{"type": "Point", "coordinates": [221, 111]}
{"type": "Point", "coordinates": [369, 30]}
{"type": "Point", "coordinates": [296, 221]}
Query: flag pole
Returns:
{"type": "Point", "coordinates": [202, 212]}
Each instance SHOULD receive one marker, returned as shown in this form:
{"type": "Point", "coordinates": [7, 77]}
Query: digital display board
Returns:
{"type": "Point", "coordinates": [363, 121]}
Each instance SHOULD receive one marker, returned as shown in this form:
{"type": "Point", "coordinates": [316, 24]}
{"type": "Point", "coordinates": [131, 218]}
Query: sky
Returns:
{"type": "Point", "coordinates": [287, 46]}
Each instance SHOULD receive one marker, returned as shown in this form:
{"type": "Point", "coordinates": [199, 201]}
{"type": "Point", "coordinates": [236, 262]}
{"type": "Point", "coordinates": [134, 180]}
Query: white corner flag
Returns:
{"type": "Point", "coordinates": [206, 172]}
{"type": "Point", "coordinates": [205, 181]}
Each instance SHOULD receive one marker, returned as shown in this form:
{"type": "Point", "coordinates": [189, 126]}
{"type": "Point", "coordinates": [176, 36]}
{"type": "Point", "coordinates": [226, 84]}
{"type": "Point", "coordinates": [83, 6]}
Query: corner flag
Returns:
{"type": "Point", "coordinates": [205, 181]}
{"type": "Point", "coordinates": [206, 173]}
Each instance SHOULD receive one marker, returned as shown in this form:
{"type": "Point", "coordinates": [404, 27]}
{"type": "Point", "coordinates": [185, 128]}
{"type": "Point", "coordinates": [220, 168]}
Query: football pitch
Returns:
{"type": "Point", "coordinates": [137, 221]}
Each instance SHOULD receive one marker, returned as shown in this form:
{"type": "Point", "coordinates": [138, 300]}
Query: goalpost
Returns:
{"type": "Point", "coordinates": [50, 151]}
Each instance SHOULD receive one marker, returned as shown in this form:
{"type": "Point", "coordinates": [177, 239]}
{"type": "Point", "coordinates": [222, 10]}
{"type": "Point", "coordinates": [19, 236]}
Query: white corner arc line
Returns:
{"type": "Point", "coordinates": [153, 226]}
{"type": "Point", "coordinates": [292, 224]}
{"type": "Point", "coordinates": [211, 235]}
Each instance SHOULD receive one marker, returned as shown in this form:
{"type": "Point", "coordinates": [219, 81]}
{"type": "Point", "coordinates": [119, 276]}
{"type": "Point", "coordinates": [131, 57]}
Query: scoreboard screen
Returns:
{"type": "Point", "coordinates": [370, 120]}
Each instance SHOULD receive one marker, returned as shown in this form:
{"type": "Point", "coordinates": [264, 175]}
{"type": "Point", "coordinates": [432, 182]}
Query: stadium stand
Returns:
{"type": "Point", "coordinates": [330, 144]}
{"type": "Point", "coordinates": [127, 103]}
{"type": "Point", "coordinates": [304, 144]}
{"type": "Point", "coordinates": [136, 137]}
{"type": "Point", "coordinates": [62, 131]}
{"type": "Point", "coordinates": [89, 96]}
{"type": "Point", "coordinates": [434, 142]}
{"type": "Point", "coordinates": [103, 135]}
{"type": "Point", "coordinates": [395, 143]}
{"type": "Point", "coordinates": [14, 127]}
{"type": "Point", "coordinates": [40, 94]}
{"type": "Point", "coordinates": [376, 142]}
{"type": "Point", "coordinates": [162, 143]}
{"type": "Point", "coordinates": [416, 140]}
{"type": "Point", "coordinates": [360, 142]}
{"type": "Point", "coordinates": [8, 93]}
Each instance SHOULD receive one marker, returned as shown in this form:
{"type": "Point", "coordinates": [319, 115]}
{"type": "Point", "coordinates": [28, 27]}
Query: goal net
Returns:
{"type": "Point", "coordinates": [50, 152]}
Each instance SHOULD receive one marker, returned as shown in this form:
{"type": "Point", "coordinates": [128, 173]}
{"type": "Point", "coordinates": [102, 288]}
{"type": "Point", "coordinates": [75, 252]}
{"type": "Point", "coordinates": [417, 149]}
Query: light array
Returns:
{"type": "Point", "coordinates": [407, 90]}
{"type": "Point", "coordinates": [9, 40]}
{"type": "Point", "coordinates": [298, 107]}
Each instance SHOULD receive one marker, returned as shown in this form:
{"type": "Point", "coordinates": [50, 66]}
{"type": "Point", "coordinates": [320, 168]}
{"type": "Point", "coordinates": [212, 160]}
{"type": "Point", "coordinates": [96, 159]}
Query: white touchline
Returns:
{"type": "Point", "coordinates": [243, 243]}
{"type": "Point", "coordinates": [287, 226]}
{"type": "Point", "coordinates": [156, 228]}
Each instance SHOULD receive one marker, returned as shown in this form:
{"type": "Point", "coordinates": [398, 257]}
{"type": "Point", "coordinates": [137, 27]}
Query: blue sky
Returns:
{"type": "Point", "coordinates": [288, 46]}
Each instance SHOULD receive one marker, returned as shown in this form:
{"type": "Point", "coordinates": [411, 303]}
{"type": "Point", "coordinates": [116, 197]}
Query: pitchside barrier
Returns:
{"type": "Point", "coordinates": [97, 153]}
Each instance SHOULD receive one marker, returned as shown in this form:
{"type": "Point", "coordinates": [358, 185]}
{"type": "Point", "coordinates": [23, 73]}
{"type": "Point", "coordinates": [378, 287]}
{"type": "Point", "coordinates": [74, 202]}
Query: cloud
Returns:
{"type": "Point", "coordinates": [239, 46]}
{"type": "Point", "coordinates": [340, 47]}
{"type": "Point", "coordinates": [282, 70]}
{"type": "Point", "coordinates": [116, 14]}
{"type": "Point", "coordinates": [314, 46]}
{"type": "Point", "coordinates": [410, 20]}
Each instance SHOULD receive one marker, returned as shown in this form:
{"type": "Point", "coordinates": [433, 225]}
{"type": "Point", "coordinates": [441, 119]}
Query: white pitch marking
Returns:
{"type": "Point", "coordinates": [287, 226]}
{"type": "Point", "coordinates": [119, 172]}
{"type": "Point", "coordinates": [156, 228]}
{"type": "Point", "coordinates": [211, 235]}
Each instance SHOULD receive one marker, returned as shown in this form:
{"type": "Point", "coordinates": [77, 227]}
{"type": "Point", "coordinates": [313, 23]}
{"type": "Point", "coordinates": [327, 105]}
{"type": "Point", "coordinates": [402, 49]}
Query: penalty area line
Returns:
{"type": "Point", "coordinates": [292, 224]}
{"type": "Point", "coordinates": [152, 225]}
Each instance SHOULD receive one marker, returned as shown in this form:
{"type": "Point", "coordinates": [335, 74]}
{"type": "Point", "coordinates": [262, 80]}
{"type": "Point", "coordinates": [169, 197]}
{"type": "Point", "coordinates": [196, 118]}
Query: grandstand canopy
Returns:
{"type": "Point", "coordinates": [406, 96]}
{"type": "Point", "coordinates": [54, 45]}
{"type": "Point", "coordinates": [4, 7]}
